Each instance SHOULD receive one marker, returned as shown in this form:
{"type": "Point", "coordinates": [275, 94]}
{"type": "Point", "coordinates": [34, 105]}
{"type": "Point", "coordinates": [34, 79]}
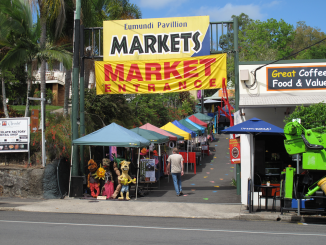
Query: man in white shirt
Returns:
{"type": "Point", "coordinates": [175, 161]}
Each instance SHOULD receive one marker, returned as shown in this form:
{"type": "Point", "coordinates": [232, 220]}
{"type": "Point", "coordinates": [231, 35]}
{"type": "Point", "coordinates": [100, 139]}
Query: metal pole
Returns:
{"type": "Point", "coordinates": [74, 113]}
{"type": "Point", "coordinates": [202, 101]}
{"type": "Point", "coordinates": [137, 173]}
{"type": "Point", "coordinates": [236, 61]}
{"type": "Point", "coordinates": [82, 100]}
{"type": "Point", "coordinates": [43, 130]}
{"type": "Point", "coordinates": [236, 85]}
{"type": "Point", "coordinates": [298, 172]}
{"type": "Point", "coordinates": [72, 151]}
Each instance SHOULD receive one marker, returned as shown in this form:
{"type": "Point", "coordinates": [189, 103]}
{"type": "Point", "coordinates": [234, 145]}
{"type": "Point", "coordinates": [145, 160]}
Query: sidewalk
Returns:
{"type": "Point", "coordinates": [208, 194]}
{"type": "Point", "coordinates": [136, 208]}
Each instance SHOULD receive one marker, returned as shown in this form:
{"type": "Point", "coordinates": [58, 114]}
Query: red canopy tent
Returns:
{"type": "Point", "coordinates": [196, 120]}
{"type": "Point", "coordinates": [151, 127]}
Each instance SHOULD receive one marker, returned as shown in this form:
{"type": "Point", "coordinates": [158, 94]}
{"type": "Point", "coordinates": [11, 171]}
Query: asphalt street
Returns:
{"type": "Point", "coordinates": [55, 228]}
{"type": "Point", "coordinates": [211, 184]}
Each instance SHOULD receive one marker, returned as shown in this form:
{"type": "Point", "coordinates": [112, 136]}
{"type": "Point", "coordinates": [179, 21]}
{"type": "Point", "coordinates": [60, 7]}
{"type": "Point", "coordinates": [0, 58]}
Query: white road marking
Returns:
{"type": "Point", "coordinates": [168, 228]}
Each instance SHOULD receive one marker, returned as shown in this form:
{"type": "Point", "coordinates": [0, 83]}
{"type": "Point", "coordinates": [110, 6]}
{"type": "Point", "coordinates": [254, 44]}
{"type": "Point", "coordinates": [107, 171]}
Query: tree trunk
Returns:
{"type": "Point", "coordinates": [67, 90]}
{"type": "Point", "coordinates": [29, 85]}
{"type": "Point", "coordinates": [42, 44]}
{"type": "Point", "coordinates": [4, 98]}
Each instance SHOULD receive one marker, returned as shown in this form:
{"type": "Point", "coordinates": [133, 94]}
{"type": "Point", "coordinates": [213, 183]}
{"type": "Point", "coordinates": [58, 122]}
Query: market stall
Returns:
{"type": "Point", "coordinates": [202, 117]}
{"type": "Point", "coordinates": [114, 135]}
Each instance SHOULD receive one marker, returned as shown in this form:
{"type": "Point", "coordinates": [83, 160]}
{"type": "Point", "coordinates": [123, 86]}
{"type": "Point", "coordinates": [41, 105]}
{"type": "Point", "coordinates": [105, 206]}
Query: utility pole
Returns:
{"type": "Point", "coordinates": [236, 87]}
{"type": "Point", "coordinates": [74, 126]}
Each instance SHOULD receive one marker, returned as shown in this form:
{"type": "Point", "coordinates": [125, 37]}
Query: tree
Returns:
{"type": "Point", "coordinates": [13, 18]}
{"type": "Point", "coordinates": [24, 47]}
{"type": "Point", "coordinates": [311, 116]}
{"type": "Point", "coordinates": [306, 36]}
{"type": "Point", "coordinates": [50, 11]}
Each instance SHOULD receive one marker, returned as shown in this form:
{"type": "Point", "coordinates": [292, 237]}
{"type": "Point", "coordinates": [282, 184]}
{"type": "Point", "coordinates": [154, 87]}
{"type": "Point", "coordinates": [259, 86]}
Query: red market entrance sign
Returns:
{"type": "Point", "coordinates": [234, 145]}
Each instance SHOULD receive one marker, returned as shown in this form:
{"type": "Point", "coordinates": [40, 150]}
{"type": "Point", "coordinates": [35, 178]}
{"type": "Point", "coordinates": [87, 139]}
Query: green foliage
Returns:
{"type": "Point", "coordinates": [57, 136]}
{"type": "Point", "coordinates": [49, 95]}
{"type": "Point", "coordinates": [306, 36]}
{"type": "Point", "coordinates": [15, 81]}
{"type": "Point", "coordinates": [159, 109]}
{"type": "Point", "coordinates": [11, 111]}
{"type": "Point", "coordinates": [105, 109]}
{"type": "Point", "coordinates": [311, 116]}
{"type": "Point", "coordinates": [266, 40]}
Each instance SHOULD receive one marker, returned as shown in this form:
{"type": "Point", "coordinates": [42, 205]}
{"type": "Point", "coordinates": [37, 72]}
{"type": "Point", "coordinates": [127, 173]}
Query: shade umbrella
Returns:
{"type": "Point", "coordinates": [190, 126]}
{"type": "Point", "coordinates": [253, 127]}
{"type": "Point", "coordinates": [182, 127]}
{"type": "Point", "coordinates": [151, 127]}
{"type": "Point", "coordinates": [203, 117]}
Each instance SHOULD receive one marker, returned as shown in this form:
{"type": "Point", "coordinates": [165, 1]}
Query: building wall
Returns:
{"type": "Point", "coordinates": [268, 112]}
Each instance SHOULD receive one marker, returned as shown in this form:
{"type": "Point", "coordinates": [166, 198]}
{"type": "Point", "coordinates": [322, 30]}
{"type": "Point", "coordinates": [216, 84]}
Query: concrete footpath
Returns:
{"type": "Point", "coordinates": [137, 208]}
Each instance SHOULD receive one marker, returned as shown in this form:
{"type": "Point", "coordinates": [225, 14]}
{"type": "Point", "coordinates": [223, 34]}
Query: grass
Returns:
{"type": "Point", "coordinates": [21, 108]}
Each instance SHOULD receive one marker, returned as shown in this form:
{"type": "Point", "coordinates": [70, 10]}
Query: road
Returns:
{"type": "Point", "coordinates": [30, 228]}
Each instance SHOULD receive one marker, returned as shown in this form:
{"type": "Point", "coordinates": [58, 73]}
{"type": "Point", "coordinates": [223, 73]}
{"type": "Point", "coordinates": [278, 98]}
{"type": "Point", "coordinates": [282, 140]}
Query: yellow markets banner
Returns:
{"type": "Point", "coordinates": [160, 76]}
{"type": "Point", "coordinates": [154, 39]}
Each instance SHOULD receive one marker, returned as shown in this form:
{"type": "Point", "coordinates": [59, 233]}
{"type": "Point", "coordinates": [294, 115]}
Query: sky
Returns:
{"type": "Point", "coordinates": [291, 11]}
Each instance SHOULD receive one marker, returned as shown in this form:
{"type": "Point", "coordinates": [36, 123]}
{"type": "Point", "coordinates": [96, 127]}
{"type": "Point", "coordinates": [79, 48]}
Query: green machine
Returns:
{"type": "Point", "coordinates": [310, 184]}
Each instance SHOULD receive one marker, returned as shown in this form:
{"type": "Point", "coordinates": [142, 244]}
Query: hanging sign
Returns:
{"type": "Point", "coordinates": [160, 76]}
{"type": "Point", "coordinates": [14, 134]}
{"type": "Point", "coordinates": [149, 169]}
{"type": "Point", "coordinates": [34, 121]}
{"type": "Point", "coordinates": [161, 38]}
{"type": "Point", "coordinates": [296, 77]}
{"type": "Point", "coordinates": [234, 145]}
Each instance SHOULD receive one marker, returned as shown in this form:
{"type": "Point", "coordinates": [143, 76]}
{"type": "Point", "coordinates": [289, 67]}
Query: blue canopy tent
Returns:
{"type": "Point", "coordinates": [184, 128]}
{"type": "Point", "coordinates": [114, 135]}
{"type": "Point", "coordinates": [202, 129]}
{"type": "Point", "coordinates": [253, 126]}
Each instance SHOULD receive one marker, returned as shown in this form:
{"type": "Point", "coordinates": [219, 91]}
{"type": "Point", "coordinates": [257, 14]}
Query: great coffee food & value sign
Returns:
{"type": "Point", "coordinates": [14, 134]}
{"type": "Point", "coordinates": [296, 77]}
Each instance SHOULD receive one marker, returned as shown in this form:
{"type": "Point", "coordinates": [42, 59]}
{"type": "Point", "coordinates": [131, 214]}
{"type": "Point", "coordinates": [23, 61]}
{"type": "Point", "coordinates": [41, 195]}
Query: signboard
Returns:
{"type": "Point", "coordinates": [296, 77]}
{"type": "Point", "coordinates": [160, 76]}
{"type": "Point", "coordinates": [34, 121]}
{"type": "Point", "coordinates": [14, 134]}
{"type": "Point", "coordinates": [235, 150]}
{"type": "Point", "coordinates": [162, 38]}
{"type": "Point", "coordinates": [149, 169]}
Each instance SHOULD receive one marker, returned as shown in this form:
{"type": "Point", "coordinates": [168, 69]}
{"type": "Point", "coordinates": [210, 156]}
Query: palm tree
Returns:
{"type": "Point", "coordinates": [23, 47]}
{"type": "Point", "coordinates": [50, 11]}
{"type": "Point", "coordinates": [16, 22]}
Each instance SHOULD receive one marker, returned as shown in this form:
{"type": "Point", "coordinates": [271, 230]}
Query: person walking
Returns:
{"type": "Point", "coordinates": [175, 161]}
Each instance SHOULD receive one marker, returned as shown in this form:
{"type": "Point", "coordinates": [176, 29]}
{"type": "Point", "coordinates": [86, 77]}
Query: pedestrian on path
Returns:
{"type": "Point", "coordinates": [175, 161]}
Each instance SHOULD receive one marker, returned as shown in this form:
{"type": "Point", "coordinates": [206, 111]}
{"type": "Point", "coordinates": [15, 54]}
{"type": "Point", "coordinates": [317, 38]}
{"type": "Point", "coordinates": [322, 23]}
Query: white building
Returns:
{"type": "Point", "coordinates": [275, 93]}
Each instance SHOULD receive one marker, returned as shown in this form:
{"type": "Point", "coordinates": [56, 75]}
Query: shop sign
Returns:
{"type": "Point", "coordinates": [160, 76]}
{"type": "Point", "coordinates": [14, 134]}
{"type": "Point", "coordinates": [296, 77]}
{"type": "Point", "coordinates": [234, 146]}
{"type": "Point", "coordinates": [34, 120]}
{"type": "Point", "coordinates": [149, 169]}
{"type": "Point", "coordinates": [161, 38]}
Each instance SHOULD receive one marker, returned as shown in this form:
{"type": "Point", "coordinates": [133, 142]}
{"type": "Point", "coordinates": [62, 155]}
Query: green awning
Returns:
{"type": "Point", "coordinates": [191, 127]}
{"type": "Point", "coordinates": [179, 137]}
{"type": "Point", "coordinates": [202, 117]}
{"type": "Point", "coordinates": [152, 136]}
